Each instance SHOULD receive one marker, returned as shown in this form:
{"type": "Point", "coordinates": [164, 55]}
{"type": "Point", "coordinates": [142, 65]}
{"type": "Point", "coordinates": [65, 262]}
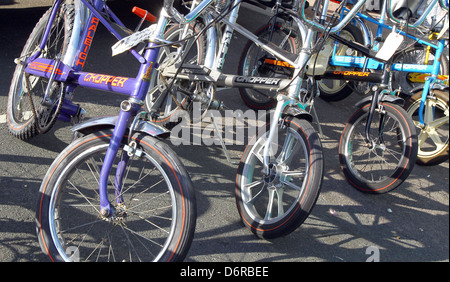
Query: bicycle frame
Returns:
{"type": "Point", "coordinates": [369, 63]}
{"type": "Point", "coordinates": [348, 61]}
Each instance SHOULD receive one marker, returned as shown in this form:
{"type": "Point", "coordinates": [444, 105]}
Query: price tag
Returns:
{"type": "Point", "coordinates": [134, 39]}
{"type": "Point", "coordinates": [391, 44]}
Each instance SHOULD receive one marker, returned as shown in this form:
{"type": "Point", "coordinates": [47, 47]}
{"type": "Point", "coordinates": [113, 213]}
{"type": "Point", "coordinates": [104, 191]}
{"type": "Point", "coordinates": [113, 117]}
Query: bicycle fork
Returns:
{"type": "Point", "coordinates": [374, 106]}
{"type": "Point", "coordinates": [128, 110]}
{"type": "Point", "coordinates": [284, 100]}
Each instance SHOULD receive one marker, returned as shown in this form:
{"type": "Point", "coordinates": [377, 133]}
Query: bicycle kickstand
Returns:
{"type": "Point", "coordinates": [316, 118]}
{"type": "Point", "coordinates": [222, 143]}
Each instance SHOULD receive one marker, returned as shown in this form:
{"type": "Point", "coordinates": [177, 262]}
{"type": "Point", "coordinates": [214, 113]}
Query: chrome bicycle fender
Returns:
{"type": "Point", "coordinates": [366, 33]}
{"type": "Point", "coordinates": [99, 123]}
{"type": "Point", "coordinates": [296, 112]}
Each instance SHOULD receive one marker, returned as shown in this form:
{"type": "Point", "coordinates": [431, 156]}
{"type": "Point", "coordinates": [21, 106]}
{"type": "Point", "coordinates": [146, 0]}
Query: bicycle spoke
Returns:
{"type": "Point", "coordinates": [280, 193]}
{"type": "Point", "coordinates": [153, 198]}
{"type": "Point", "coordinates": [80, 226]}
{"type": "Point", "coordinates": [285, 179]}
{"type": "Point", "coordinates": [287, 149]}
{"type": "Point", "coordinates": [140, 213]}
{"type": "Point", "coordinates": [268, 214]}
{"type": "Point", "coordinates": [434, 136]}
{"type": "Point", "coordinates": [253, 199]}
{"type": "Point", "coordinates": [145, 238]}
{"type": "Point", "coordinates": [258, 154]}
{"type": "Point", "coordinates": [84, 196]}
{"type": "Point", "coordinates": [438, 122]}
{"type": "Point", "coordinates": [253, 184]}
{"type": "Point", "coordinates": [130, 243]}
{"type": "Point", "coordinates": [99, 248]}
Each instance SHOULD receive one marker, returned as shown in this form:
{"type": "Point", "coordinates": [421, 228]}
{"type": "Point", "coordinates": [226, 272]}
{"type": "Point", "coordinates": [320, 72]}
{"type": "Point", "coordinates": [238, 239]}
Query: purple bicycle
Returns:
{"type": "Point", "coordinates": [118, 193]}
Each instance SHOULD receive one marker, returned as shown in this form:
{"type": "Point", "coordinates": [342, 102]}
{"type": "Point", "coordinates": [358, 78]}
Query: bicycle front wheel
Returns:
{"type": "Point", "coordinates": [386, 160]}
{"type": "Point", "coordinates": [153, 214]}
{"type": "Point", "coordinates": [276, 204]}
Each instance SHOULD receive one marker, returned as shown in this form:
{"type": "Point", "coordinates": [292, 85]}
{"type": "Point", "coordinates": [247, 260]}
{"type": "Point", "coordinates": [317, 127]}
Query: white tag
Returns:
{"type": "Point", "coordinates": [391, 44]}
{"type": "Point", "coordinates": [134, 39]}
{"type": "Point", "coordinates": [444, 29]}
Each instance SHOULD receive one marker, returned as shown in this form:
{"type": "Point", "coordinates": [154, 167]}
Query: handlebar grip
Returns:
{"type": "Point", "coordinates": [144, 14]}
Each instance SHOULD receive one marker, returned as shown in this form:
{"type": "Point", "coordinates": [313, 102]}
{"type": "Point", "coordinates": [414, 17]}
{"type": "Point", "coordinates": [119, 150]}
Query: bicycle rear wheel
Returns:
{"type": "Point", "coordinates": [169, 113]}
{"type": "Point", "coordinates": [416, 55]}
{"type": "Point", "coordinates": [22, 121]}
{"type": "Point", "coordinates": [274, 205]}
{"type": "Point", "coordinates": [255, 61]}
{"type": "Point", "coordinates": [332, 90]}
{"type": "Point", "coordinates": [153, 221]}
{"type": "Point", "coordinates": [434, 138]}
{"type": "Point", "coordinates": [387, 160]}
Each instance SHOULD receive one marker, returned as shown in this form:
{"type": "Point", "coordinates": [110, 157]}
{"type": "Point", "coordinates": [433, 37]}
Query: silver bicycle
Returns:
{"type": "Point", "coordinates": [280, 174]}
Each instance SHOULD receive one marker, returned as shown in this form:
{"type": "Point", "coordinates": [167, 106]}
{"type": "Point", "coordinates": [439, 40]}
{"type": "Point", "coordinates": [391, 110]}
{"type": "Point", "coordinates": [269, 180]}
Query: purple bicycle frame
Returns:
{"type": "Point", "coordinates": [73, 76]}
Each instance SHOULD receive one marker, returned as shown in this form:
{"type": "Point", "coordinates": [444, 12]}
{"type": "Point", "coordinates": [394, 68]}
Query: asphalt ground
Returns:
{"type": "Point", "coordinates": [410, 223]}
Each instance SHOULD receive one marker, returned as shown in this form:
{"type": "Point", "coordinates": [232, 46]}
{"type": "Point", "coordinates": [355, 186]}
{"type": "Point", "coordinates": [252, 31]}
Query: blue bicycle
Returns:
{"type": "Point", "coordinates": [419, 72]}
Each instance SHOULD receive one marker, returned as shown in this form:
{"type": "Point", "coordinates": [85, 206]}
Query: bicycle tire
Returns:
{"type": "Point", "coordinates": [395, 152]}
{"type": "Point", "coordinates": [434, 138]}
{"type": "Point", "coordinates": [340, 89]}
{"type": "Point", "coordinates": [155, 222]}
{"type": "Point", "coordinates": [251, 63]}
{"type": "Point", "coordinates": [22, 123]}
{"type": "Point", "coordinates": [294, 181]}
